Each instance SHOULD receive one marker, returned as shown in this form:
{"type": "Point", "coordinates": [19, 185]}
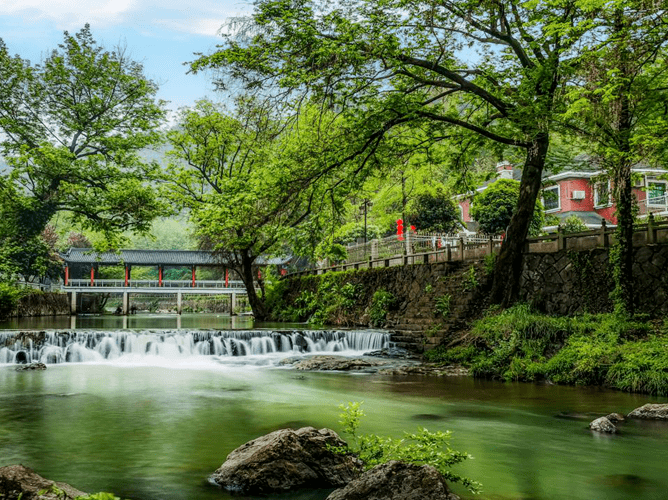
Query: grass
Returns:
{"type": "Point", "coordinates": [603, 349]}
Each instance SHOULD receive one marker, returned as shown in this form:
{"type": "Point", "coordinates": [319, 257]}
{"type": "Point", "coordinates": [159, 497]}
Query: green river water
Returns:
{"type": "Point", "coordinates": [155, 429]}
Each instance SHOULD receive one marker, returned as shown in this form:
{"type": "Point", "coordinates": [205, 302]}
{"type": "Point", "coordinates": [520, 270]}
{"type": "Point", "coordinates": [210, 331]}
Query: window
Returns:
{"type": "Point", "coordinates": [656, 194]}
{"type": "Point", "coordinates": [602, 194]}
{"type": "Point", "coordinates": [551, 199]}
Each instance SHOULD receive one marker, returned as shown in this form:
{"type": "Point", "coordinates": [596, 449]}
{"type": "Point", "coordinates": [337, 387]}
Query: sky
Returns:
{"type": "Point", "coordinates": [161, 34]}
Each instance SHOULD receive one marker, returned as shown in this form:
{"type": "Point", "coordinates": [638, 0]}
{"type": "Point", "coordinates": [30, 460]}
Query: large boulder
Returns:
{"type": "Point", "coordinates": [396, 481]}
{"type": "Point", "coordinates": [603, 424]}
{"type": "Point", "coordinates": [651, 411]}
{"type": "Point", "coordinates": [285, 460]}
{"type": "Point", "coordinates": [19, 482]}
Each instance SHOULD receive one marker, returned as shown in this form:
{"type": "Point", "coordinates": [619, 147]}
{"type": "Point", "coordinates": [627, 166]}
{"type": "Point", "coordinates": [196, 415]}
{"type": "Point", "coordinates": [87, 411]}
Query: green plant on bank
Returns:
{"type": "Point", "coordinates": [443, 304]}
{"type": "Point", "coordinates": [490, 262]}
{"type": "Point", "coordinates": [602, 349]}
{"type": "Point", "coordinates": [433, 330]}
{"type": "Point", "coordinates": [428, 288]}
{"type": "Point", "coordinates": [9, 298]}
{"type": "Point", "coordinates": [470, 280]}
{"type": "Point", "coordinates": [331, 302]}
{"type": "Point", "coordinates": [421, 447]}
{"type": "Point", "coordinates": [381, 302]}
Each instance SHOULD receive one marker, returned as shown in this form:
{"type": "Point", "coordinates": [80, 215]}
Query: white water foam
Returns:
{"type": "Point", "coordinates": [185, 349]}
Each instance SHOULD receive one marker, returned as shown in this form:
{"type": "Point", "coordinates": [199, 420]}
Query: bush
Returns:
{"type": "Point", "coordinates": [380, 305]}
{"type": "Point", "coordinates": [573, 224]}
{"type": "Point", "coordinates": [9, 299]}
{"type": "Point", "coordinates": [422, 447]}
{"type": "Point", "coordinates": [494, 207]}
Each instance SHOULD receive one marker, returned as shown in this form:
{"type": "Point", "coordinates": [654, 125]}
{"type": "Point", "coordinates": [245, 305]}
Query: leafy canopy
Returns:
{"type": "Point", "coordinates": [71, 132]}
{"type": "Point", "coordinates": [493, 207]}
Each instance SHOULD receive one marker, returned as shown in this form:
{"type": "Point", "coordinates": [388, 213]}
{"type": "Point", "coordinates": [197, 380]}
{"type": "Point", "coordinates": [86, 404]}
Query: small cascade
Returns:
{"type": "Point", "coordinates": [74, 346]}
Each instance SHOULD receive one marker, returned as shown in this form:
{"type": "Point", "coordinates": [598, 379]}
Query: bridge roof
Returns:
{"type": "Point", "coordinates": [152, 258]}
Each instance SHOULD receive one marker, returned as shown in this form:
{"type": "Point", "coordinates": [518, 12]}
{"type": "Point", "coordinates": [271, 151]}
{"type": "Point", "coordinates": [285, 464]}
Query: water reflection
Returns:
{"type": "Point", "coordinates": [135, 321]}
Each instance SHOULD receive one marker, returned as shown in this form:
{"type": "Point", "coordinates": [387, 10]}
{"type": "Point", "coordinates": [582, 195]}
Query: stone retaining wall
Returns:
{"type": "Point", "coordinates": [43, 304]}
{"type": "Point", "coordinates": [570, 282]}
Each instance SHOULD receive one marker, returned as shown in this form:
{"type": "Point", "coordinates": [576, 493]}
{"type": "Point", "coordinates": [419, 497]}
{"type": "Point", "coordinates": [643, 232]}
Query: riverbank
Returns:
{"type": "Point", "coordinates": [603, 350]}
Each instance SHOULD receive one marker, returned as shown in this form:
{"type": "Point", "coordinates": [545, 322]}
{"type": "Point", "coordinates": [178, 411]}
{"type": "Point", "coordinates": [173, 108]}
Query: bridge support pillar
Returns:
{"type": "Point", "coordinates": [233, 302]}
{"type": "Point", "coordinates": [179, 302]}
{"type": "Point", "coordinates": [73, 303]}
{"type": "Point", "coordinates": [126, 303]}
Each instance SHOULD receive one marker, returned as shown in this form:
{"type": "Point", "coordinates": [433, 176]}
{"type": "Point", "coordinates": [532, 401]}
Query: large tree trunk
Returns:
{"type": "Point", "coordinates": [623, 251]}
{"type": "Point", "coordinates": [506, 284]}
{"type": "Point", "coordinates": [621, 121]}
{"type": "Point", "coordinates": [248, 277]}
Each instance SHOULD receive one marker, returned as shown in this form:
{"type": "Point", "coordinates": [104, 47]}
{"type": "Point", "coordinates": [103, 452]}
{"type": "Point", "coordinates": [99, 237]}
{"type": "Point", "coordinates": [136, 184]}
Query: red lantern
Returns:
{"type": "Point", "coordinates": [400, 229]}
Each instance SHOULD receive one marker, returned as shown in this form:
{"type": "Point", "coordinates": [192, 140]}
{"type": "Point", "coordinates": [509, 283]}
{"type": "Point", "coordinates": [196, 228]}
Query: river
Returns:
{"type": "Point", "coordinates": [152, 425]}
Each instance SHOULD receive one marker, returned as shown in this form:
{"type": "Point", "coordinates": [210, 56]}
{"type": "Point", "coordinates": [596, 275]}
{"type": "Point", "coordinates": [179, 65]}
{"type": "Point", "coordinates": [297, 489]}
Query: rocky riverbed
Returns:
{"type": "Point", "coordinates": [385, 362]}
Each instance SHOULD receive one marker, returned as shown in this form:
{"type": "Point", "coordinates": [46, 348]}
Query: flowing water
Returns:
{"type": "Point", "coordinates": [150, 414]}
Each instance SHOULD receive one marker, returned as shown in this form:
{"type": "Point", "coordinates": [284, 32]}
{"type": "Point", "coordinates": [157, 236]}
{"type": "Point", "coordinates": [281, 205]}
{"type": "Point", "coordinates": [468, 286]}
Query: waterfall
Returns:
{"type": "Point", "coordinates": [75, 346]}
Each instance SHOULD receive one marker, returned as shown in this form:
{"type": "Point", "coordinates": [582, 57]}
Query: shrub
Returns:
{"type": "Point", "coordinates": [421, 447]}
{"type": "Point", "coordinates": [380, 305]}
{"type": "Point", "coordinates": [9, 299]}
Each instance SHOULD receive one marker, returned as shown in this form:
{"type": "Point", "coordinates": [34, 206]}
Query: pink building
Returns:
{"type": "Point", "coordinates": [586, 193]}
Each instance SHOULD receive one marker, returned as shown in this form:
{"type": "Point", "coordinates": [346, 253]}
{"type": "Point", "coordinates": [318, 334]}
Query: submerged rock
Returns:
{"type": "Point", "coordinates": [285, 460]}
{"type": "Point", "coordinates": [651, 411]}
{"type": "Point", "coordinates": [394, 353]}
{"type": "Point", "coordinates": [603, 425]}
{"type": "Point", "coordinates": [20, 482]}
{"type": "Point", "coordinates": [615, 417]}
{"type": "Point", "coordinates": [31, 366]}
{"type": "Point", "coordinates": [339, 363]}
{"type": "Point", "coordinates": [396, 481]}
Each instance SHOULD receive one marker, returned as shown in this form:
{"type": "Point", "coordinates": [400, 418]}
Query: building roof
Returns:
{"type": "Point", "coordinates": [153, 258]}
{"type": "Point", "coordinates": [589, 218]}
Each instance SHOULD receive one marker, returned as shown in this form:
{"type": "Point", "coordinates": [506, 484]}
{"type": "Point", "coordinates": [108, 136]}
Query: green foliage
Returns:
{"type": "Point", "coordinates": [434, 212]}
{"type": "Point", "coordinates": [470, 279]}
{"type": "Point", "coordinates": [326, 299]}
{"type": "Point", "coordinates": [490, 263]}
{"type": "Point", "coordinates": [9, 298]}
{"type": "Point", "coordinates": [72, 129]}
{"type": "Point", "coordinates": [421, 447]}
{"type": "Point", "coordinates": [255, 183]}
{"type": "Point", "coordinates": [443, 304]}
{"type": "Point", "coordinates": [396, 68]}
{"type": "Point", "coordinates": [573, 224]}
{"type": "Point", "coordinates": [381, 302]}
{"type": "Point", "coordinates": [494, 207]}
{"type": "Point", "coordinates": [604, 349]}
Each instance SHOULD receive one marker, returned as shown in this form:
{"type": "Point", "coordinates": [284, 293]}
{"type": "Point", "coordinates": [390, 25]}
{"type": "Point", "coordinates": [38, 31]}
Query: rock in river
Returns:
{"type": "Point", "coordinates": [603, 425]}
{"type": "Point", "coordinates": [31, 366]}
{"type": "Point", "coordinates": [285, 460]}
{"type": "Point", "coordinates": [396, 481]}
{"type": "Point", "coordinates": [651, 411]}
{"type": "Point", "coordinates": [20, 482]}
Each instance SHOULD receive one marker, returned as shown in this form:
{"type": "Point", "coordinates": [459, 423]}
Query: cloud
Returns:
{"type": "Point", "coordinates": [197, 17]}
{"type": "Point", "coordinates": [201, 26]}
{"type": "Point", "coordinates": [67, 13]}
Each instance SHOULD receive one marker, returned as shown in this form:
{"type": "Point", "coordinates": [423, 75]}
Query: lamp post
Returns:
{"type": "Point", "coordinates": [366, 203]}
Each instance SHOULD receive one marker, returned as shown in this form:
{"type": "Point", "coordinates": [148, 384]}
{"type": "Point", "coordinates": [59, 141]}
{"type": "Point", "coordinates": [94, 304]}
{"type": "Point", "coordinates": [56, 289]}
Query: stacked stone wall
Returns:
{"type": "Point", "coordinates": [43, 304]}
{"type": "Point", "coordinates": [570, 282]}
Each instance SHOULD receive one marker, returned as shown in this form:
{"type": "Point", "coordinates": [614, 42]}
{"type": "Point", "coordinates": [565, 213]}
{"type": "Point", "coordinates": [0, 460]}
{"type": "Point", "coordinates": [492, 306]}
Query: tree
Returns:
{"type": "Point", "coordinates": [255, 184]}
{"type": "Point", "coordinates": [435, 212]}
{"type": "Point", "coordinates": [398, 62]}
{"type": "Point", "coordinates": [493, 208]}
{"type": "Point", "coordinates": [71, 130]}
{"type": "Point", "coordinates": [619, 104]}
